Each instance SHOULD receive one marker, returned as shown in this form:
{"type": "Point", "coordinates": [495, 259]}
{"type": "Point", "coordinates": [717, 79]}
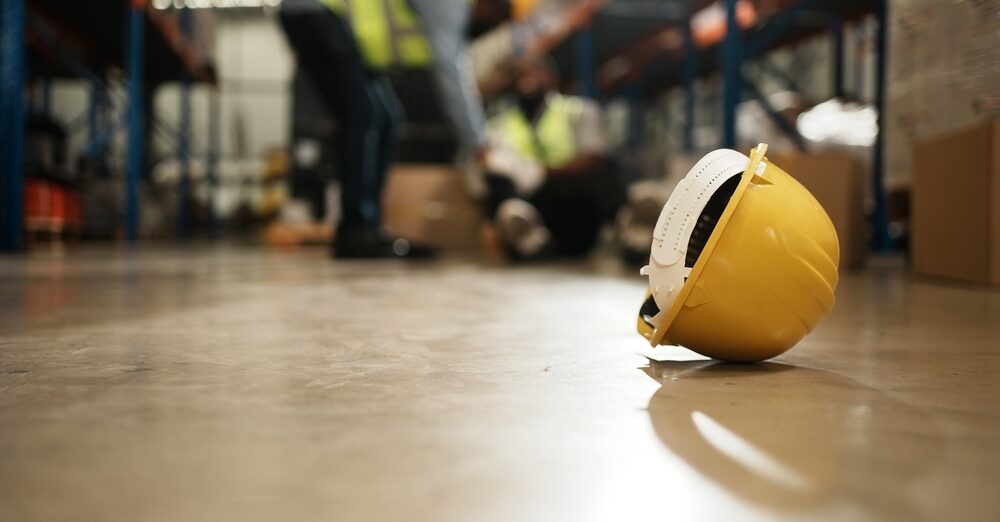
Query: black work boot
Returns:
{"type": "Point", "coordinates": [366, 242]}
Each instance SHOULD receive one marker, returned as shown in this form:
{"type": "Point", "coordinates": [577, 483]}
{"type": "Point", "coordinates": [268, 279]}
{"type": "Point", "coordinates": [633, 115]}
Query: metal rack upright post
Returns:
{"type": "Point", "coordinates": [12, 74]}
{"type": "Point", "coordinates": [136, 117]}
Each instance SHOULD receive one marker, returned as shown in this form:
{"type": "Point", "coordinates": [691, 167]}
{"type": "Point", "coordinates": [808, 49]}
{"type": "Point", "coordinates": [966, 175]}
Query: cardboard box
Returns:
{"type": "Point", "coordinates": [837, 180]}
{"type": "Point", "coordinates": [956, 204]}
{"type": "Point", "coordinates": [428, 205]}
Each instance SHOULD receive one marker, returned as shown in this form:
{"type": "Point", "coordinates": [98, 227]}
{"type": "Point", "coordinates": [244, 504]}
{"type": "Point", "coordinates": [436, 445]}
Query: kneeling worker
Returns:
{"type": "Point", "coordinates": [550, 185]}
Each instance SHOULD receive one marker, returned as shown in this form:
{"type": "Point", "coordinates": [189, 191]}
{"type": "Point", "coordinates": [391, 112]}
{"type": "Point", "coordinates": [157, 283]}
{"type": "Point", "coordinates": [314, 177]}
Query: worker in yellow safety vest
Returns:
{"type": "Point", "coordinates": [388, 32]}
{"type": "Point", "coordinates": [432, 35]}
{"type": "Point", "coordinates": [550, 184]}
{"type": "Point", "coordinates": [344, 47]}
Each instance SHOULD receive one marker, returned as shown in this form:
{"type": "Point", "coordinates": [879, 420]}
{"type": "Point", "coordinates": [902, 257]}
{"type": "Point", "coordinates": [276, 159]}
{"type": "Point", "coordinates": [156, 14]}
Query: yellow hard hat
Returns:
{"type": "Point", "coordinates": [744, 261]}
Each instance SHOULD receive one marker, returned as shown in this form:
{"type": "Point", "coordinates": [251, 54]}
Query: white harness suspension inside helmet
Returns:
{"type": "Point", "coordinates": [666, 270]}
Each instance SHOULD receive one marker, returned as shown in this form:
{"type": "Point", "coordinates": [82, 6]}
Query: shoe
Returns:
{"type": "Point", "coordinates": [405, 248]}
{"type": "Point", "coordinates": [521, 230]}
{"type": "Point", "coordinates": [371, 243]}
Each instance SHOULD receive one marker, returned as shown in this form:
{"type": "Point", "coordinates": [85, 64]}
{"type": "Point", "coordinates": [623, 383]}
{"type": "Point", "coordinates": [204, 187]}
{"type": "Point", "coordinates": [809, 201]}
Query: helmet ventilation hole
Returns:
{"type": "Point", "coordinates": [708, 219]}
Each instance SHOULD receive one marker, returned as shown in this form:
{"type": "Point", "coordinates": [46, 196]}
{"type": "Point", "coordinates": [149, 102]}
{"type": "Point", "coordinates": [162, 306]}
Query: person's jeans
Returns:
{"type": "Point", "coordinates": [363, 103]}
{"type": "Point", "coordinates": [444, 23]}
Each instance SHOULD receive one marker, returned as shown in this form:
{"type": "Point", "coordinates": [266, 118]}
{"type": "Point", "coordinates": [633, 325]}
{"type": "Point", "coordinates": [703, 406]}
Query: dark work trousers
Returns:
{"type": "Point", "coordinates": [573, 207]}
{"type": "Point", "coordinates": [363, 103]}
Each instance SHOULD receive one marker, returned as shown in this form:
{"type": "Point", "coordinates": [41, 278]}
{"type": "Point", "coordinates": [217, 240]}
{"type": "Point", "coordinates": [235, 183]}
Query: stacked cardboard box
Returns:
{"type": "Point", "coordinates": [956, 204]}
{"type": "Point", "coordinates": [428, 205]}
{"type": "Point", "coordinates": [943, 73]}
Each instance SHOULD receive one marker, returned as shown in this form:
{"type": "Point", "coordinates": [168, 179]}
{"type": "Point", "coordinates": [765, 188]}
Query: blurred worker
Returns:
{"type": "Point", "coordinates": [444, 24]}
{"type": "Point", "coordinates": [446, 27]}
{"type": "Point", "coordinates": [550, 184]}
{"type": "Point", "coordinates": [344, 46]}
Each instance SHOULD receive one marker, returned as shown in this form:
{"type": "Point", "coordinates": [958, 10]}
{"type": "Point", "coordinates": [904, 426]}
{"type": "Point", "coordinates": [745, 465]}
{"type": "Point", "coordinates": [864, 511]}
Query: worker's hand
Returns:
{"type": "Point", "coordinates": [526, 173]}
{"type": "Point", "coordinates": [481, 154]}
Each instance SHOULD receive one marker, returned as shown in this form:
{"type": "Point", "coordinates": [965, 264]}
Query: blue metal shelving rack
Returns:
{"type": "Point", "coordinates": [770, 37]}
{"type": "Point", "coordinates": [184, 140]}
{"type": "Point", "coordinates": [794, 21]}
{"type": "Point", "coordinates": [12, 73]}
{"type": "Point", "coordinates": [136, 117]}
{"type": "Point", "coordinates": [143, 37]}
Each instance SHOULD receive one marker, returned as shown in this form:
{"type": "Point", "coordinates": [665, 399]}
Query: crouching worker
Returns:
{"type": "Point", "coordinates": [550, 186]}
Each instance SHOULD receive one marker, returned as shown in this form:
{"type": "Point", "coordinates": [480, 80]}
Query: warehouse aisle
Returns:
{"type": "Point", "coordinates": [229, 384]}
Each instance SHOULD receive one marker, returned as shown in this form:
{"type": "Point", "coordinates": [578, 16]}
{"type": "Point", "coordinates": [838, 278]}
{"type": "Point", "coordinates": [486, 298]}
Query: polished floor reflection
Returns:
{"type": "Point", "coordinates": [226, 384]}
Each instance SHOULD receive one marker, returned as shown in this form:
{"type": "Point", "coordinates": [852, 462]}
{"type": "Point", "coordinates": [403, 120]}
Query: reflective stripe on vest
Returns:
{"type": "Point", "coordinates": [552, 142]}
{"type": "Point", "coordinates": [387, 31]}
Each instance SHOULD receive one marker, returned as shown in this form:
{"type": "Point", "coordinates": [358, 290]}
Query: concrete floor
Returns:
{"type": "Point", "coordinates": [227, 384]}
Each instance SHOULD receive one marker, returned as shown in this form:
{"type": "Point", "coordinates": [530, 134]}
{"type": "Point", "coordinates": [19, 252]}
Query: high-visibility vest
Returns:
{"type": "Point", "coordinates": [388, 32]}
{"type": "Point", "coordinates": [552, 141]}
